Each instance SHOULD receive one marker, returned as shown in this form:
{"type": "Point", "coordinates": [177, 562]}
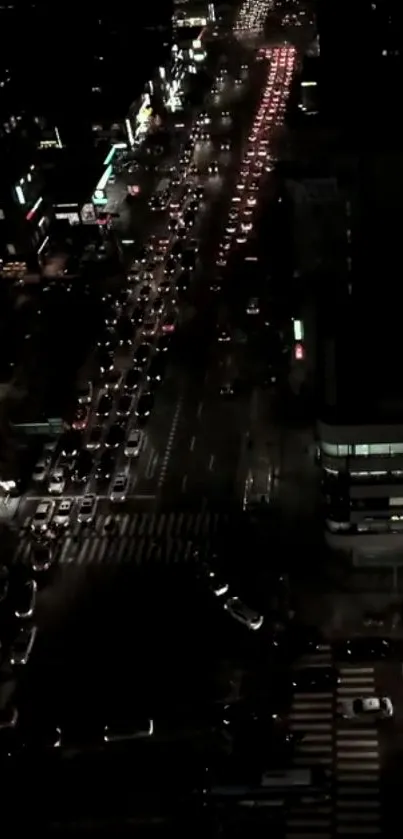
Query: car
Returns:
{"type": "Point", "coordinates": [108, 340]}
{"type": "Point", "coordinates": [41, 470]}
{"type": "Point", "coordinates": [71, 444]}
{"type": "Point", "coordinates": [163, 344]}
{"type": "Point", "coordinates": [369, 708]}
{"type": "Point", "coordinates": [145, 291]}
{"type": "Point", "coordinates": [105, 405]}
{"type": "Point", "coordinates": [171, 265]}
{"type": "Point", "coordinates": [223, 336]}
{"type": "Point", "coordinates": [144, 406]}
{"type": "Point", "coordinates": [149, 328]}
{"type": "Point", "coordinates": [57, 482]}
{"type": "Point", "coordinates": [227, 389]}
{"type": "Point", "coordinates": [215, 286]}
{"type": "Point", "coordinates": [80, 418]}
{"type": "Point", "coordinates": [83, 466]}
{"type": "Point", "coordinates": [141, 356]}
{"type": "Point", "coordinates": [225, 146]}
{"type": "Point", "coordinates": [106, 465]}
{"type": "Point", "coordinates": [95, 437]}
{"type": "Point", "coordinates": [243, 614]}
{"type": "Point", "coordinates": [22, 645]}
{"type": "Point", "coordinates": [164, 287]}
{"type": "Point", "coordinates": [252, 307]}
{"type": "Point", "coordinates": [125, 330]}
{"type": "Point", "coordinates": [87, 509]}
{"type": "Point", "coordinates": [115, 436]}
{"type": "Point", "coordinates": [85, 393]}
{"type": "Point", "coordinates": [42, 516]}
{"type": "Point", "coordinates": [132, 380]}
{"type": "Point", "coordinates": [124, 405]}
{"type": "Point", "coordinates": [112, 380]}
{"type": "Point", "coordinates": [63, 513]}
{"type": "Point", "coordinates": [138, 314]}
{"type": "Point", "coordinates": [106, 361]}
{"type": "Point", "coordinates": [156, 370]}
{"type": "Point", "coordinates": [24, 599]}
{"type": "Point", "coordinates": [119, 487]}
{"type": "Point", "coordinates": [308, 679]}
{"type": "Point", "coordinates": [169, 324]}
{"type": "Point", "coordinates": [158, 305]}
{"type": "Point", "coordinates": [110, 525]}
{"type": "Point", "coordinates": [216, 585]}
{"type": "Point", "coordinates": [213, 168]}
{"type": "Point", "coordinates": [134, 443]}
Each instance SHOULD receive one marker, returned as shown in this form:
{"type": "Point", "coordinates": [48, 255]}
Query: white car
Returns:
{"type": "Point", "coordinates": [63, 513]}
{"type": "Point", "coordinates": [368, 707]}
{"type": "Point", "coordinates": [134, 443]}
{"type": "Point", "coordinates": [87, 509]}
{"type": "Point", "coordinates": [253, 306]}
{"type": "Point", "coordinates": [57, 482]}
{"type": "Point", "coordinates": [119, 487]}
{"type": "Point", "coordinates": [243, 614]}
{"type": "Point", "coordinates": [22, 645]}
{"type": "Point", "coordinates": [42, 516]}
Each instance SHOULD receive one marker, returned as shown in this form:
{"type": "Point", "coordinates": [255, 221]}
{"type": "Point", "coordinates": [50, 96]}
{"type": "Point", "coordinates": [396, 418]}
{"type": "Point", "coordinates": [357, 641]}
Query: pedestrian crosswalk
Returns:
{"type": "Point", "coordinates": [347, 751]}
{"type": "Point", "coordinates": [166, 538]}
{"type": "Point", "coordinates": [311, 717]}
{"type": "Point", "coordinates": [357, 760]}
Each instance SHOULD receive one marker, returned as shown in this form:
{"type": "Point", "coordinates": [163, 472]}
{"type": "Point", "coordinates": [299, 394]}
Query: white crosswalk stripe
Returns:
{"type": "Point", "coordinates": [165, 538]}
{"type": "Point", "coordinates": [357, 761]}
{"type": "Point", "coordinates": [311, 715]}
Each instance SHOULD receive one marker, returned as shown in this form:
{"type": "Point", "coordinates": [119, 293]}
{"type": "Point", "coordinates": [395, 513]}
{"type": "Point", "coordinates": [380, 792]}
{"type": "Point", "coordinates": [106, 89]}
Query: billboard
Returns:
{"type": "Point", "coordinates": [88, 214]}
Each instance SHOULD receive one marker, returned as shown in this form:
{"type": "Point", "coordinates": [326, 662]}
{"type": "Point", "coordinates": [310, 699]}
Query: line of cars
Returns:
{"type": "Point", "coordinates": [251, 16]}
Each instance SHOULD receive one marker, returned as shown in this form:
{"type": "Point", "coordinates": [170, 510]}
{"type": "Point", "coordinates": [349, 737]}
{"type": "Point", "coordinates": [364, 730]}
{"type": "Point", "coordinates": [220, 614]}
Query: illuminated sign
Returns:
{"type": "Point", "coordinates": [32, 212]}
{"type": "Point", "coordinates": [88, 214]}
{"type": "Point", "coordinates": [111, 154]}
{"type": "Point", "coordinates": [299, 352]}
{"type": "Point", "coordinates": [20, 195]}
{"type": "Point", "coordinates": [190, 21]}
{"type": "Point", "coordinates": [133, 189]}
{"type": "Point", "coordinates": [298, 330]}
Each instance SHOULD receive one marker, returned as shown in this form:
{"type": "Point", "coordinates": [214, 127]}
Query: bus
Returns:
{"type": "Point", "coordinates": [161, 196]}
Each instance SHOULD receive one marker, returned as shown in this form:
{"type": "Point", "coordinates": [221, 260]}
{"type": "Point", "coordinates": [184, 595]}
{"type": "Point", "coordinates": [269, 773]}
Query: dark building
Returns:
{"type": "Point", "coordinates": [361, 48]}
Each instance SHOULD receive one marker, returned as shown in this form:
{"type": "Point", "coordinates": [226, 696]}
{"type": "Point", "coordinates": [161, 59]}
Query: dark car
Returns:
{"type": "Point", "coordinates": [125, 331]}
{"type": "Point", "coordinates": [158, 305]}
{"type": "Point", "coordinates": [132, 380]}
{"type": "Point", "coordinates": [138, 314]}
{"type": "Point", "coordinates": [163, 344]}
{"type": "Point", "coordinates": [145, 291]}
{"type": "Point", "coordinates": [189, 260]}
{"type": "Point", "coordinates": [83, 466]}
{"type": "Point", "coordinates": [105, 405]}
{"type": "Point", "coordinates": [106, 361]}
{"type": "Point", "coordinates": [171, 265]}
{"type": "Point", "coordinates": [156, 370]}
{"type": "Point", "coordinates": [106, 466]}
{"type": "Point", "coordinates": [141, 356]}
{"type": "Point", "coordinates": [320, 679]}
{"type": "Point", "coordinates": [71, 444]}
{"type": "Point", "coordinates": [108, 340]}
{"type": "Point", "coordinates": [124, 405]}
{"type": "Point", "coordinates": [144, 407]}
{"type": "Point", "coordinates": [115, 436]}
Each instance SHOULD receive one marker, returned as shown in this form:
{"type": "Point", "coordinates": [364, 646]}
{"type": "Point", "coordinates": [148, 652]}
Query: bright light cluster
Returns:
{"type": "Point", "coordinates": [258, 158]}
{"type": "Point", "coordinates": [252, 16]}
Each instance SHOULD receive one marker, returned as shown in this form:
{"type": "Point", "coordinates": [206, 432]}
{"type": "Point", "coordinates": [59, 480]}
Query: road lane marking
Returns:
{"type": "Point", "coordinates": [211, 463]}
{"type": "Point", "coordinates": [192, 443]}
{"type": "Point", "coordinates": [170, 442]}
{"type": "Point", "coordinates": [184, 482]}
{"type": "Point", "coordinates": [200, 408]}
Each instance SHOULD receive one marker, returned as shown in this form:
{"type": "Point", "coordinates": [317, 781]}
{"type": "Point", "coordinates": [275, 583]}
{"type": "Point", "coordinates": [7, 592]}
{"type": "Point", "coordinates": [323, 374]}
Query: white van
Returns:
{"type": "Point", "coordinates": [134, 443]}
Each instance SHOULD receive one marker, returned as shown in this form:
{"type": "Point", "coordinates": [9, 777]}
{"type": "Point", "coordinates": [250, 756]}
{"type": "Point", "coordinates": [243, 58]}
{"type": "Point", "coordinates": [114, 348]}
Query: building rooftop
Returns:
{"type": "Point", "coordinates": [69, 177]}
{"type": "Point", "coordinates": [360, 330]}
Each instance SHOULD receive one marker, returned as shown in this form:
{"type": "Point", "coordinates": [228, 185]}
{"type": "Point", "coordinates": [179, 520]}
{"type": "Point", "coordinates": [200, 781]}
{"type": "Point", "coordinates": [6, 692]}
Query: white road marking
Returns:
{"type": "Point", "coordinates": [192, 443]}
{"type": "Point", "coordinates": [170, 442]}
{"type": "Point", "coordinates": [211, 463]}
{"type": "Point", "coordinates": [184, 482]}
{"type": "Point", "coordinates": [199, 410]}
